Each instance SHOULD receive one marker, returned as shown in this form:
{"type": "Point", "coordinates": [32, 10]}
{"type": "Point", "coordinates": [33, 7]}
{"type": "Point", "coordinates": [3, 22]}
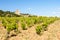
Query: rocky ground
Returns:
{"type": "Point", "coordinates": [53, 33]}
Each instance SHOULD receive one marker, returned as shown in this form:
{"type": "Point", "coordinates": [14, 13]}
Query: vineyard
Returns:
{"type": "Point", "coordinates": [29, 19]}
{"type": "Point", "coordinates": [13, 23]}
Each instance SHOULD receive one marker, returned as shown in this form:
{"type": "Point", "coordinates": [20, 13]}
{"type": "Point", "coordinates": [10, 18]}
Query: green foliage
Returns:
{"type": "Point", "coordinates": [11, 23]}
{"type": "Point", "coordinates": [38, 29]}
{"type": "Point", "coordinates": [44, 26]}
{"type": "Point", "coordinates": [23, 25]}
{"type": "Point", "coordinates": [11, 27]}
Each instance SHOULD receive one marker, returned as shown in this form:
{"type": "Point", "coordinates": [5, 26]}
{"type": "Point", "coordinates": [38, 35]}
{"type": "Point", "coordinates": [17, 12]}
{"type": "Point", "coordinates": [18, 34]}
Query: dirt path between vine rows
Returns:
{"type": "Point", "coordinates": [53, 33]}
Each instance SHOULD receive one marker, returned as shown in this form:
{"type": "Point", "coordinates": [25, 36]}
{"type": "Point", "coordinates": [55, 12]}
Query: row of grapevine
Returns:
{"type": "Point", "coordinates": [11, 23]}
{"type": "Point", "coordinates": [45, 22]}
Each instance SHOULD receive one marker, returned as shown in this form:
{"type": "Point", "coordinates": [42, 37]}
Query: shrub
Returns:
{"type": "Point", "coordinates": [12, 26]}
{"type": "Point", "coordinates": [23, 26]}
{"type": "Point", "coordinates": [38, 29]}
{"type": "Point", "coordinates": [4, 22]}
{"type": "Point", "coordinates": [44, 25]}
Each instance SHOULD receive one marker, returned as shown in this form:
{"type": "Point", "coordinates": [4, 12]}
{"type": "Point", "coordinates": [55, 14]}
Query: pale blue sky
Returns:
{"type": "Point", "coordinates": [34, 7]}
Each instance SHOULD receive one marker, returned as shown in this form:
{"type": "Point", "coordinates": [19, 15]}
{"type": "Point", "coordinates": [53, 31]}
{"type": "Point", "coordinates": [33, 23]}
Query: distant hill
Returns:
{"type": "Point", "coordinates": [12, 14]}
{"type": "Point", "coordinates": [8, 14]}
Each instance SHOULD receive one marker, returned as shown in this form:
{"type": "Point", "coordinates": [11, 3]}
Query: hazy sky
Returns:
{"type": "Point", "coordinates": [35, 7]}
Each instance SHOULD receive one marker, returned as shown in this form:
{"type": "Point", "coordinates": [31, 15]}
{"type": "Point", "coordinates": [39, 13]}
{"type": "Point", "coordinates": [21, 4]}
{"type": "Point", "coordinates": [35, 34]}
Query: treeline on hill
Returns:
{"type": "Point", "coordinates": [8, 14]}
{"type": "Point", "coordinates": [12, 14]}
